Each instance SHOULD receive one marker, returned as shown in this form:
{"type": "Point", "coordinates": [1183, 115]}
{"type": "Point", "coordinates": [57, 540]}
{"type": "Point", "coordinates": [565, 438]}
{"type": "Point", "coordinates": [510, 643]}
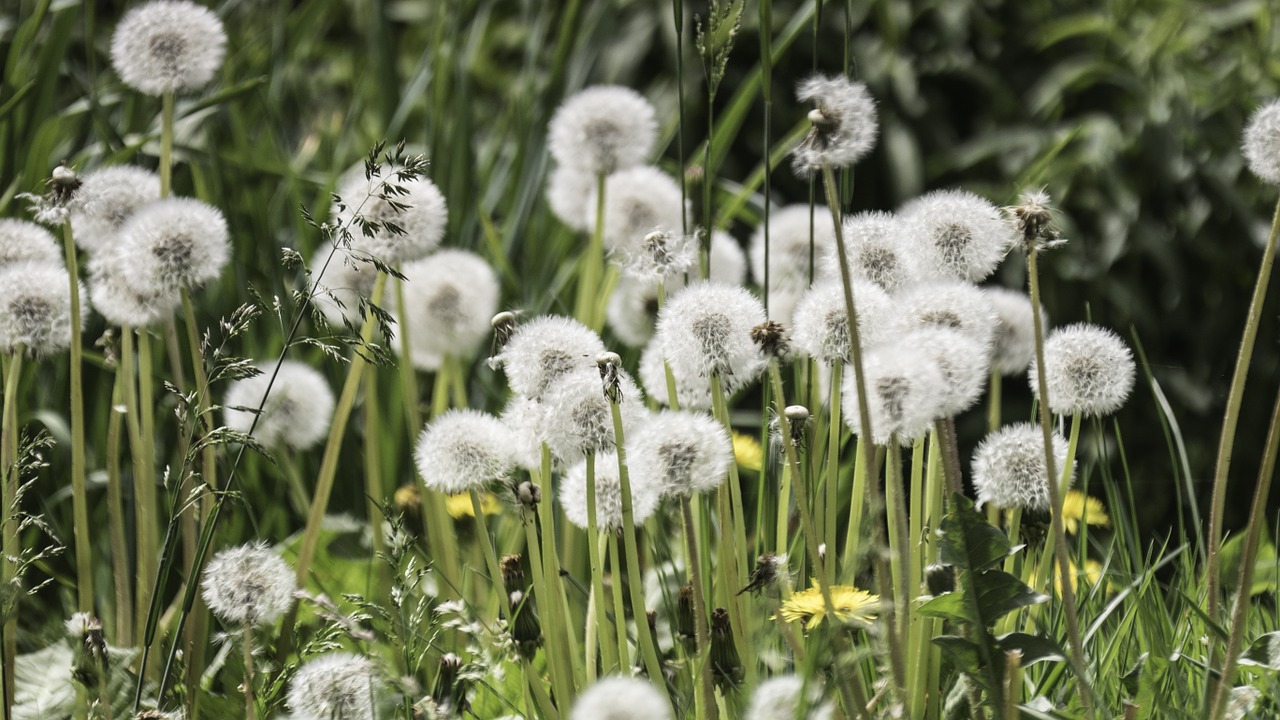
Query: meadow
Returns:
{"type": "Point", "coordinates": [638, 361]}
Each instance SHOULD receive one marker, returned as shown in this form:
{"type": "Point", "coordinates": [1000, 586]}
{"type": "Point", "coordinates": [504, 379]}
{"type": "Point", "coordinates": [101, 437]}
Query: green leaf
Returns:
{"type": "Point", "coordinates": [1034, 648]}
{"type": "Point", "coordinates": [968, 540]}
{"type": "Point", "coordinates": [1264, 568]}
{"type": "Point", "coordinates": [1000, 593]}
{"type": "Point", "coordinates": [962, 653]}
{"type": "Point", "coordinates": [1264, 652]}
{"type": "Point", "coordinates": [952, 606]}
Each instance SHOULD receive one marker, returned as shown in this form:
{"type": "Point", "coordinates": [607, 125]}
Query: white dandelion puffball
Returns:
{"type": "Point", "coordinates": [637, 201]}
{"type": "Point", "coordinates": [621, 698]}
{"type": "Point", "coordinates": [821, 328]}
{"type": "Point", "coordinates": [956, 234]}
{"type": "Point", "coordinates": [790, 241]}
{"type": "Point", "coordinates": [23, 241]}
{"type": "Point", "coordinates": [168, 46]}
{"type": "Point", "coordinates": [171, 245]}
{"type": "Point", "coordinates": [297, 410]}
{"type": "Point", "coordinates": [965, 365]}
{"type": "Point", "coordinates": [778, 698]}
{"type": "Point", "coordinates": [450, 296]}
{"type": "Point", "coordinates": [728, 261]}
{"type": "Point", "coordinates": [542, 350]}
{"type": "Point", "coordinates": [577, 417]}
{"type": "Point", "coordinates": [1262, 142]}
{"type": "Point", "coordinates": [844, 124]}
{"type": "Point", "coordinates": [35, 308]}
{"type": "Point", "coordinates": [876, 249]}
{"type": "Point", "coordinates": [661, 254]}
{"type": "Point", "coordinates": [905, 393]}
{"type": "Point", "coordinates": [464, 450]}
{"type": "Point", "coordinates": [573, 494]}
{"type": "Point", "coordinates": [1008, 467]}
{"type": "Point", "coordinates": [523, 420]}
{"type": "Point", "coordinates": [952, 305]}
{"type": "Point", "coordinates": [568, 189]}
{"type": "Point", "coordinates": [632, 310]}
{"type": "Point", "coordinates": [107, 197]}
{"type": "Point", "coordinates": [248, 585]}
{"type": "Point", "coordinates": [705, 330]}
{"type": "Point", "coordinates": [603, 129]}
{"type": "Point", "coordinates": [413, 204]}
{"type": "Point", "coordinates": [336, 685]}
{"type": "Point", "coordinates": [691, 392]}
{"type": "Point", "coordinates": [681, 452]}
{"type": "Point", "coordinates": [1088, 370]}
{"type": "Point", "coordinates": [118, 303]}
{"type": "Point", "coordinates": [1015, 340]}
{"type": "Point", "coordinates": [346, 282]}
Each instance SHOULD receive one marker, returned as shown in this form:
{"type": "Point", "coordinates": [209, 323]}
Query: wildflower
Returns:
{"type": "Point", "coordinates": [620, 698]}
{"type": "Point", "coordinates": [1262, 142]}
{"type": "Point", "coordinates": [295, 412]}
{"type": "Point", "coordinates": [681, 452]}
{"type": "Point", "coordinates": [577, 417]}
{"type": "Point", "coordinates": [544, 349]}
{"type": "Point", "coordinates": [168, 46]}
{"type": "Point", "coordinates": [1015, 340]}
{"type": "Point", "coordinates": [107, 198]}
{"type": "Point", "coordinates": [877, 250]}
{"type": "Point", "coordinates": [637, 201]}
{"type": "Point", "coordinates": [780, 698]}
{"type": "Point", "coordinates": [772, 340]}
{"type": "Point", "coordinates": [1088, 370]}
{"type": "Point", "coordinates": [118, 302]}
{"type": "Point", "coordinates": [568, 189]}
{"type": "Point", "coordinates": [1009, 471]}
{"type": "Point", "coordinates": [905, 392]}
{"type": "Point", "coordinates": [573, 494]}
{"type": "Point", "coordinates": [335, 686]}
{"type": "Point", "coordinates": [394, 219]}
{"type": "Point", "coordinates": [346, 282]}
{"type": "Point", "coordinates": [523, 419]}
{"type": "Point", "coordinates": [747, 452]}
{"type": "Point", "coordinates": [22, 241]}
{"type": "Point", "coordinates": [691, 392]}
{"type": "Point", "coordinates": [964, 364]}
{"type": "Point", "coordinates": [459, 506]}
{"type": "Point", "coordinates": [822, 323]}
{"type": "Point", "coordinates": [35, 308]}
{"type": "Point", "coordinates": [705, 330]}
{"type": "Point", "coordinates": [1079, 509]}
{"type": "Point", "coordinates": [463, 450]}
{"type": "Point", "coordinates": [852, 606]}
{"type": "Point", "coordinates": [956, 234]}
{"type": "Point", "coordinates": [171, 245]}
{"type": "Point", "coordinates": [602, 129]}
{"type": "Point", "coordinates": [632, 310]}
{"type": "Point", "coordinates": [450, 296]}
{"type": "Point", "coordinates": [793, 234]}
{"type": "Point", "coordinates": [951, 305]}
{"type": "Point", "coordinates": [844, 124]}
{"type": "Point", "coordinates": [248, 585]}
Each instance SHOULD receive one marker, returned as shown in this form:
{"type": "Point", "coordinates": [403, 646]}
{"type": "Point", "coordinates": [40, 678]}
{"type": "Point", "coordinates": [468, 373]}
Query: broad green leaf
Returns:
{"type": "Point", "coordinates": [1000, 593]}
{"type": "Point", "coordinates": [1264, 568]}
{"type": "Point", "coordinates": [1264, 652]}
{"type": "Point", "coordinates": [968, 540]}
{"type": "Point", "coordinates": [952, 606]}
{"type": "Point", "coordinates": [1034, 648]}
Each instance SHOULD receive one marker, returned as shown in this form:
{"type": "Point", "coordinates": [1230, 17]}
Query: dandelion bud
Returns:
{"type": "Point", "coordinates": [1015, 339]}
{"type": "Point", "coordinates": [512, 573]}
{"type": "Point", "coordinates": [637, 201]}
{"type": "Point", "coordinates": [1009, 470]}
{"type": "Point", "coordinates": [724, 656]}
{"type": "Point", "coordinates": [940, 579]}
{"type": "Point", "coordinates": [573, 494]}
{"type": "Point", "coordinates": [705, 330]}
{"type": "Point", "coordinates": [680, 452]}
{"type": "Point", "coordinates": [526, 631]}
{"type": "Point", "coordinates": [781, 698]}
{"type": "Point", "coordinates": [35, 308]}
{"type": "Point", "coordinates": [822, 323]}
{"type": "Point", "coordinates": [686, 619]}
{"type": "Point", "coordinates": [528, 495]}
{"type": "Point", "coordinates": [248, 585]}
{"type": "Point", "coordinates": [794, 231]}
{"type": "Point", "coordinates": [905, 390]}
{"type": "Point", "coordinates": [844, 124]}
{"type": "Point", "coordinates": [449, 692]}
{"type": "Point", "coordinates": [797, 417]}
{"type": "Point", "coordinates": [1262, 142]}
{"type": "Point", "coordinates": [22, 241]}
{"type": "Point", "coordinates": [450, 297]}
{"type": "Point", "coordinates": [107, 198]}
{"type": "Point", "coordinates": [1088, 370]}
{"type": "Point", "coordinates": [956, 234]}
{"type": "Point", "coordinates": [168, 46]}
{"type": "Point", "coordinates": [463, 450]}
{"type": "Point", "coordinates": [877, 249]}
{"type": "Point", "coordinates": [89, 659]}
{"type": "Point", "coordinates": [334, 685]}
{"type": "Point", "coordinates": [577, 418]}
{"type": "Point", "coordinates": [295, 412]}
{"type": "Point", "coordinates": [543, 350]}
{"type": "Point", "coordinates": [1032, 217]}
{"type": "Point", "coordinates": [171, 245]}
{"type": "Point", "coordinates": [620, 698]}
{"type": "Point", "coordinates": [602, 129]}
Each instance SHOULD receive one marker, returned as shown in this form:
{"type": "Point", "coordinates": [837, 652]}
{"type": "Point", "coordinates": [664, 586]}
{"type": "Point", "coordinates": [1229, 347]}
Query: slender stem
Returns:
{"type": "Point", "coordinates": [994, 392]}
{"type": "Point", "coordinates": [8, 514]}
{"type": "Point", "coordinates": [835, 430]}
{"type": "Point", "coordinates": [857, 506]}
{"type": "Point", "coordinates": [375, 492]}
{"type": "Point", "coordinates": [736, 568]}
{"type": "Point", "coordinates": [250, 712]}
{"type": "Point", "coordinates": [705, 692]}
{"type": "Point", "coordinates": [408, 377]}
{"type": "Point", "coordinates": [1231, 416]}
{"type": "Point", "coordinates": [898, 536]}
{"type": "Point", "coordinates": [197, 630]}
{"type": "Point", "coordinates": [677, 12]}
{"type": "Point", "coordinates": [115, 519]}
{"type": "Point", "coordinates": [144, 489]}
{"type": "Point", "coordinates": [949, 450]}
{"type": "Point", "coordinates": [1076, 649]}
{"type": "Point", "coordinates": [608, 653]}
{"type": "Point", "coordinates": [553, 637]}
{"type": "Point", "coordinates": [166, 145]}
{"type": "Point", "coordinates": [551, 561]}
{"type": "Point", "coordinates": [79, 491]}
{"type": "Point", "coordinates": [592, 262]}
{"type": "Point", "coordinates": [619, 606]}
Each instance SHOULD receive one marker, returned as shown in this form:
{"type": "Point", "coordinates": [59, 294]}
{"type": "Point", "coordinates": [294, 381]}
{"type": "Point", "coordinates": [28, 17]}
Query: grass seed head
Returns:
{"type": "Point", "coordinates": [392, 218]}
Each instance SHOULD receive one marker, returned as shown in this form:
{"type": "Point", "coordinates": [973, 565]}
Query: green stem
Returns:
{"type": "Point", "coordinates": [553, 637]}
{"type": "Point", "coordinates": [702, 664]}
{"type": "Point", "coordinates": [144, 488]}
{"type": "Point", "coordinates": [857, 506]}
{"type": "Point", "coordinates": [8, 514]}
{"type": "Point", "coordinates": [736, 568]}
{"type": "Point", "coordinates": [1231, 416]}
{"type": "Point", "coordinates": [250, 712]}
{"type": "Point", "coordinates": [592, 262]}
{"type": "Point", "coordinates": [608, 653]}
{"type": "Point", "coordinates": [123, 635]}
{"type": "Point", "coordinates": [834, 431]}
{"type": "Point", "coordinates": [551, 560]}
{"type": "Point", "coordinates": [619, 607]}
{"type": "Point", "coordinates": [166, 145]}
{"type": "Point", "coordinates": [408, 376]}
{"type": "Point", "coordinates": [898, 537]}
{"type": "Point", "coordinates": [375, 492]}
{"type": "Point", "coordinates": [79, 490]}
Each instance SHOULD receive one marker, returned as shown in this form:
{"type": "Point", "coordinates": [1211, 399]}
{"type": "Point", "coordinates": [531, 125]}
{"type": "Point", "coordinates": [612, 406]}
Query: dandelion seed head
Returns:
{"type": "Point", "coordinates": [844, 124]}
{"type": "Point", "coordinates": [789, 244]}
{"type": "Point", "coordinates": [418, 209]}
{"type": "Point", "coordinates": [680, 451]}
{"type": "Point", "coordinates": [1015, 338]}
{"type": "Point", "coordinates": [522, 417]}
{"type": "Point", "coordinates": [779, 698]}
{"type": "Point", "coordinates": [952, 305]}
{"type": "Point", "coordinates": [544, 349]}
{"type": "Point", "coordinates": [171, 245]}
{"type": "Point", "coordinates": [568, 188]}
{"type": "Point", "coordinates": [877, 249]}
{"type": "Point", "coordinates": [23, 241]}
{"type": "Point", "coordinates": [345, 283]}
{"type": "Point", "coordinates": [691, 392]}
{"type": "Point", "coordinates": [248, 585]}
{"type": "Point", "coordinates": [107, 198]}
{"type": "Point", "coordinates": [35, 308]}
{"type": "Point", "coordinates": [1088, 370]}
{"type": "Point", "coordinates": [632, 310]}
{"type": "Point", "coordinates": [296, 413]}
{"type": "Point", "coordinates": [965, 366]}
{"type": "Point", "coordinates": [573, 494]}
{"type": "Point", "coordinates": [603, 129]}
{"type": "Point", "coordinates": [705, 329]}
{"type": "Point", "coordinates": [956, 234]}
{"type": "Point", "coordinates": [334, 685]}
{"type": "Point", "coordinates": [464, 450]}
{"type": "Point", "coordinates": [822, 325]}
{"type": "Point", "coordinates": [168, 46]}
{"type": "Point", "coordinates": [577, 417]}
{"type": "Point", "coordinates": [1262, 142]}
{"type": "Point", "coordinates": [905, 391]}
{"type": "Point", "coordinates": [451, 296]}
{"type": "Point", "coordinates": [118, 303]}
{"type": "Point", "coordinates": [637, 201]}
{"type": "Point", "coordinates": [620, 698]}
{"type": "Point", "coordinates": [1008, 467]}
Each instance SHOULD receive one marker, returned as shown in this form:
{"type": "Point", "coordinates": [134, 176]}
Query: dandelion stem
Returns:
{"type": "Point", "coordinates": [1231, 416]}
{"type": "Point", "coordinates": [166, 145]}
{"type": "Point", "coordinates": [553, 638]}
{"type": "Point", "coordinates": [608, 653]}
{"type": "Point", "coordinates": [123, 630]}
{"type": "Point", "coordinates": [250, 712]}
{"type": "Point", "coordinates": [79, 491]}
{"type": "Point", "coordinates": [9, 514]}
{"type": "Point", "coordinates": [857, 506]}
{"type": "Point", "coordinates": [592, 263]}
{"type": "Point", "coordinates": [834, 431]}
{"type": "Point", "coordinates": [375, 493]}
{"type": "Point", "coordinates": [702, 665]}
{"type": "Point", "coordinates": [144, 489]}
{"type": "Point", "coordinates": [619, 607]}
{"type": "Point", "coordinates": [551, 561]}
{"type": "Point", "coordinates": [735, 570]}
{"type": "Point", "coordinates": [899, 538]}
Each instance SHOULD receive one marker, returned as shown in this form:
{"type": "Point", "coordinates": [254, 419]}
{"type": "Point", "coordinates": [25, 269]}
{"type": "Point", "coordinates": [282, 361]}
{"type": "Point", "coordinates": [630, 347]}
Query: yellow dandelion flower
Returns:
{"type": "Point", "coordinates": [1078, 507]}
{"type": "Point", "coordinates": [459, 506]}
{"type": "Point", "coordinates": [1092, 574]}
{"type": "Point", "coordinates": [747, 451]}
{"type": "Point", "coordinates": [851, 605]}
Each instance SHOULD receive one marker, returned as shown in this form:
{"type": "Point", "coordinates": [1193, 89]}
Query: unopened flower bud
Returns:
{"type": "Point", "coordinates": [726, 663]}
